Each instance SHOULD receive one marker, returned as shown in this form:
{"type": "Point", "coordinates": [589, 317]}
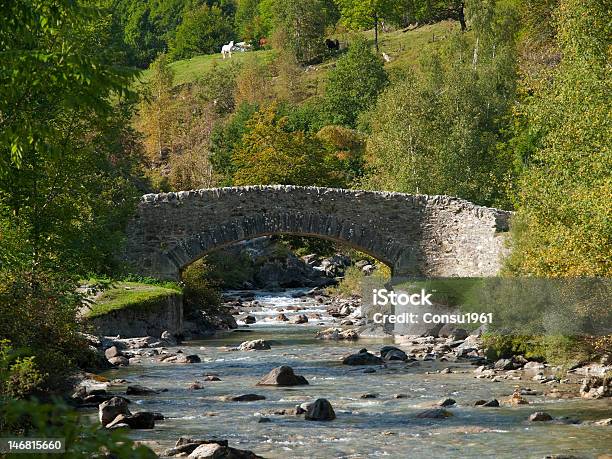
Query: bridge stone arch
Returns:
{"type": "Point", "coordinates": [415, 235]}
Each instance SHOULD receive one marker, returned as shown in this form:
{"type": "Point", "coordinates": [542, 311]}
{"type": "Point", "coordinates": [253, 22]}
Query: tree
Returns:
{"type": "Point", "coordinates": [67, 160]}
{"type": "Point", "coordinates": [354, 84]}
{"type": "Point", "coordinates": [302, 25]}
{"type": "Point", "coordinates": [268, 154]}
{"type": "Point", "coordinates": [440, 130]}
{"type": "Point", "coordinates": [57, 80]}
{"type": "Point", "coordinates": [156, 110]}
{"type": "Point", "coordinates": [563, 224]}
{"type": "Point", "coordinates": [203, 30]}
{"type": "Point", "coordinates": [363, 14]}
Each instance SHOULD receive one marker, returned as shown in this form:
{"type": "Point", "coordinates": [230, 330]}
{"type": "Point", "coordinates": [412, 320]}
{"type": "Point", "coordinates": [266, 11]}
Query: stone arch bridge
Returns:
{"type": "Point", "coordinates": [416, 235]}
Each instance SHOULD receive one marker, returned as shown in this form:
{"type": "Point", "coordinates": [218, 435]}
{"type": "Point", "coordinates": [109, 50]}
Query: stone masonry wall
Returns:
{"type": "Point", "coordinates": [414, 234]}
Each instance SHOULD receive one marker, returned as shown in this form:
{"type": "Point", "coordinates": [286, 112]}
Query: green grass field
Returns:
{"type": "Point", "coordinates": [122, 295]}
{"type": "Point", "coordinates": [404, 49]}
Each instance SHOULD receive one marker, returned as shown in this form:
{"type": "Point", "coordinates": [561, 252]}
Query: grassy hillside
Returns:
{"type": "Point", "coordinates": [404, 48]}
{"type": "Point", "coordinates": [124, 295]}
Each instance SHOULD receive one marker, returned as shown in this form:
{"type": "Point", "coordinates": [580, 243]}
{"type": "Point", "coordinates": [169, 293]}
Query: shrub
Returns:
{"type": "Point", "coordinates": [56, 420]}
{"type": "Point", "coordinates": [19, 376]}
{"type": "Point", "coordinates": [354, 84]}
{"type": "Point", "coordinates": [200, 290]}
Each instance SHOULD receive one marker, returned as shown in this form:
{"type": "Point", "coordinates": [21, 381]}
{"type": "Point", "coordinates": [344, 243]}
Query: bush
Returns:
{"type": "Point", "coordinates": [354, 84]}
{"type": "Point", "coordinates": [38, 316]}
{"type": "Point", "coordinates": [19, 376]}
{"type": "Point", "coordinates": [55, 420]}
{"type": "Point", "coordinates": [203, 31]}
{"type": "Point", "coordinates": [200, 291]}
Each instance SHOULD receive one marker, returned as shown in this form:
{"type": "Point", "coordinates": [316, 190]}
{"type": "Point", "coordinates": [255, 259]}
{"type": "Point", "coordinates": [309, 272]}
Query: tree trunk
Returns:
{"type": "Point", "coordinates": [462, 17]}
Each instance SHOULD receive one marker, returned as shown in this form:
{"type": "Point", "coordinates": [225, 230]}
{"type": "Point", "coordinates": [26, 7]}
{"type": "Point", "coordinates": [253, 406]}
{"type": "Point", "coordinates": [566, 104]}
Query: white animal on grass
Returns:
{"type": "Point", "coordinates": [226, 50]}
{"type": "Point", "coordinates": [386, 57]}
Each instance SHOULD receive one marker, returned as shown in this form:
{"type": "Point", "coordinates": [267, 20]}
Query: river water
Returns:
{"type": "Point", "coordinates": [381, 427]}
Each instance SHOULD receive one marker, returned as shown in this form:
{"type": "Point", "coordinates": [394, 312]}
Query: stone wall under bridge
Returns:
{"type": "Point", "coordinates": [416, 235]}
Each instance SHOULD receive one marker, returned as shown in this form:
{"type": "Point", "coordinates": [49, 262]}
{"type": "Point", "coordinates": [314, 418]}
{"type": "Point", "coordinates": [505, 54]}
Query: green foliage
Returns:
{"type": "Point", "coordinates": [254, 19]}
{"type": "Point", "coordinates": [29, 418]}
{"type": "Point", "coordinates": [352, 282]}
{"type": "Point", "coordinates": [226, 137]}
{"type": "Point", "coordinates": [564, 221]}
{"type": "Point", "coordinates": [19, 376]}
{"type": "Point", "coordinates": [203, 30]}
{"type": "Point", "coordinates": [38, 317]}
{"type": "Point", "coordinates": [554, 349]}
{"type": "Point", "coordinates": [440, 130]}
{"type": "Point", "coordinates": [354, 84]}
{"type": "Point", "coordinates": [131, 295]}
{"type": "Point", "coordinates": [226, 270]}
{"type": "Point", "coordinates": [268, 154]}
{"type": "Point", "coordinates": [68, 159]}
{"type": "Point", "coordinates": [66, 150]}
{"type": "Point", "coordinates": [505, 346]}
{"type": "Point", "coordinates": [364, 14]}
{"type": "Point", "coordinates": [301, 28]}
{"type": "Point", "coordinates": [201, 289]}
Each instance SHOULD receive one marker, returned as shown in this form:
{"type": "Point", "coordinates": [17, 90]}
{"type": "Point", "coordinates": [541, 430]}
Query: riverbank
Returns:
{"type": "Point", "coordinates": [379, 408]}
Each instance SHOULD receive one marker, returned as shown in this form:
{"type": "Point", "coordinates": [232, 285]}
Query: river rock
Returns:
{"type": "Point", "coordinates": [505, 364]}
{"type": "Point", "coordinates": [320, 410]}
{"type": "Point", "coordinates": [246, 398]}
{"type": "Point", "coordinates": [603, 422]}
{"type": "Point", "coordinates": [281, 318]}
{"type": "Point", "coordinates": [516, 399]}
{"type": "Point", "coordinates": [249, 319]}
{"type": "Point", "coordinates": [180, 358]}
{"type": "Point", "coordinates": [119, 361]}
{"type": "Point", "coordinates": [140, 390]}
{"type": "Point", "coordinates": [255, 345]}
{"type": "Point", "coordinates": [434, 413]}
{"type": "Point", "coordinates": [217, 451]}
{"type": "Point", "coordinates": [140, 420]}
{"type": "Point", "coordinates": [282, 376]}
{"type": "Point", "coordinates": [186, 445]}
{"type": "Point", "coordinates": [109, 410]}
{"type": "Point", "coordinates": [540, 416]}
{"type": "Point", "coordinates": [491, 404]}
{"type": "Point", "coordinates": [111, 352]}
{"type": "Point", "coordinates": [389, 353]}
{"type": "Point", "coordinates": [300, 319]}
{"type": "Point", "coordinates": [337, 334]}
{"type": "Point", "coordinates": [363, 357]}
{"type": "Point", "coordinates": [446, 402]}
{"type": "Point", "coordinates": [596, 387]}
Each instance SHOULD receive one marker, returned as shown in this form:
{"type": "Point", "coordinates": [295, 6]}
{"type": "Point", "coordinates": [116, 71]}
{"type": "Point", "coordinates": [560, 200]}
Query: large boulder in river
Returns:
{"type": "Point", "coordinates": [217, 451]}
{"type": "Point", "coordinates": [282, 376]}
{"type": "Point", "coordinates": [389, 353]}
{"type": "Point", "coordinates": [109, 410]}
{"type": "Point", "coordinates": [596, 387]}
{"type": "Point", "coordinates": [140, 420]}
{"type": "Point", "coordinates": [112, 351]}
{"type": "Point", "coordinates": [255, 345]}
{"type": "Point", "coordinates": [363, 357]}
{"type": "Point", "coordinates": [119, 361]}
{"type": "Point", "coordinates": [300, 319]}
{"type": "Point", "coordinates": [320, 410]}
{"type": "Point", "coordinates": [140, 390]}
{"type": "Point", "coordinates": [337, 334]}
{"type": "Point", "coordinates": [434, 413]}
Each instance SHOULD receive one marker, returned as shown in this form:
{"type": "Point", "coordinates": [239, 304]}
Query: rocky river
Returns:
{"type": "Point", "coordinates": [422, 406]}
